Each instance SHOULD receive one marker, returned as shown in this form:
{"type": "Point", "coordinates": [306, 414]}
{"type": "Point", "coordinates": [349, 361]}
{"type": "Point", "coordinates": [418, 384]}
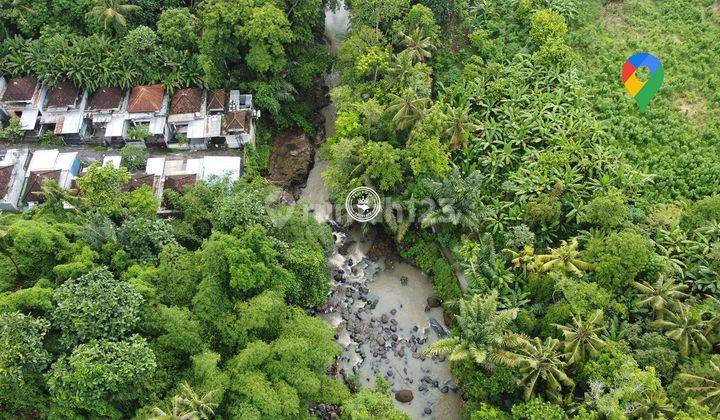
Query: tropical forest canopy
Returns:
{"type": "Point", "coordinates": [589, 233]}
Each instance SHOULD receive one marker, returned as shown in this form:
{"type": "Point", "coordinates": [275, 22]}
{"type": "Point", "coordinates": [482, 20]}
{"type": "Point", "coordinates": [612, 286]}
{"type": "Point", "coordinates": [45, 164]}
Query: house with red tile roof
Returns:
{"type": "Point", "coordinates": [148, 106]}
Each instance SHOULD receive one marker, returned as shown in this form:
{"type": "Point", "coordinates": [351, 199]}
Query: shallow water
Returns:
{"type": "Point", "coordinates": [368, 290]}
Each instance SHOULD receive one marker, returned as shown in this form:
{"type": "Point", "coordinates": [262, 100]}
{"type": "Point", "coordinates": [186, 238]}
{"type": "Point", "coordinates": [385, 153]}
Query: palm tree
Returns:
{"type": "Point", "coordinates": [461, 124]}
{"type": "Point", "coordinates": [652, 404]}
{"type": "Point", "coordinates": [111, 13]}
{"type": "Point", "coordinates": [541, 361]}
{"type": "Point", "coordinates": [661, 296]}
{"type": "Point", "coordinates": [178, 411]}
{"type": "Point", "coordinates": [407, 109]}
{"type": "Point", "coordinates": [204, 405]}
{"type": "Point", "coordinates": [418, 45]}
{"type": "Point", "coordinates": [582, 338]}
{"type": "Point", "coordinates": [482, 333]}
{"type": "Point", "coordinates": [55, 197]}
{"type": "Point", "coordinates": [188, 405]}
{"type": "Point", "coordinates": [402, 68]}
{"type": "Point", "coordinates": [524, 260]}
{"type": "Point", "coordinates": [457, 201]}
{"type": "Point", "coordinates": [706, 389]}
{"type": "Point", "coordinates": [686, 327]}
{"type": "Point", "coordinates": [564, 258]}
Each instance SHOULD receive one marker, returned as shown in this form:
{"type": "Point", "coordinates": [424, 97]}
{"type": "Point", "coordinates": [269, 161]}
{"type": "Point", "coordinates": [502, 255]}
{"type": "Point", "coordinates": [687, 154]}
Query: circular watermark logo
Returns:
{"type": "Point", "coordinates": [363, 204]}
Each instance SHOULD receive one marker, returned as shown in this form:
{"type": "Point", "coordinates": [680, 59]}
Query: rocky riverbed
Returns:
{"type": "Point", "coordinates": [385, 317]}
{"type": "Point", "coordinates": [384, 310]}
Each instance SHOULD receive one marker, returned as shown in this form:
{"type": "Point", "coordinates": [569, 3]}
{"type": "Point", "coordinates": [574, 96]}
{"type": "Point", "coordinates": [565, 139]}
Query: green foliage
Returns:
{"type": "Point", "coordinates": [22, 360]}
{"type": "Point", "coordinates": [547, 26]}
{"type": "Point", "coordinates": [179, 28]}
{"type": "Point", "coordinates": [95, 306]}
{"type": "Point", "coordinates": [140, 202]}
{"type": "Point", "coordinates": [36, 247]}
{"type": "Point", "coordinates": [605, 211]}
{"type": "Point", "coordinates": [278, 378]}
{"type": "Point", "coordinates": [12, 132]}
{"type": "Point", "coordinates": [98, 377]}
{"type": "Point", "coordinates": [133, 158]}
{"type": "Point", "coordinates": [368, 404]}
{"type": "Point", "coordinates": [619, 258]}
{"type": "Point", "coordinates": [144, 238]}
{"type": "Point", "coordinates": [537, 409]}
{"type": "Point", "coordinates": [101, 187]}
{"type": "Point", "coordinates": [482, 386]}
{"type": "Point", "coordinates": [36, 301]}
{"type": "Point", "coordinates": [701, 212]}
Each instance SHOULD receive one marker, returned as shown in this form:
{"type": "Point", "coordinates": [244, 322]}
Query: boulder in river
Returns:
{"type": "Point", "coordinates": [433, 302]}
{"type": "Point", "coordinates": [439, 329]}
{"type": "Point", "coordinates": [404, 395]}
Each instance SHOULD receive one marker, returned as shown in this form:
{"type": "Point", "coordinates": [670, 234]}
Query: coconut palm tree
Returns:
{"type": "Point", "coordinates": [483, 335]}
{"type": "Point", "coordinates": [664, 294]}
{"type": "Point", "coordinates": [408, 109]}
{"type": "Point", "coordinates": [582, 338]}
{"type": "Point", "coordinates": [707, 390]}
{"type": "Point", "coordinates": [418, 45]}
{"type": "Point", "coordinates": [402, 68]}
{"type": "Point", "coordinates": [461, 124]}
{"type": "Point", "coordinates": [652, 404]}
{"type": "Point", "coordinates": [188, 405]}
{"type": "Point", "coordinates": [204, 405]}
{"type": "Point", "coordinates": [178, 411]}
{"type": "Point", "coordinates": [541, 361]}
{"type": "Point", "coordinates": [111, 13]}
{"type": "Point", "coordinates": [55, 197]}
{"type": "Point", "coordinates": [686, 327]}
{"type": "Point", "coordinates": [524, 260]}
{"type": "Point", "coordinates": [457, 201]}
{"type": "Point", "coordinates": [564, 258]}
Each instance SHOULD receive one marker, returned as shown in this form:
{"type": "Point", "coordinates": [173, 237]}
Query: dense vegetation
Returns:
{"type": "Point", "coordinates": [110, 312]}
{"type": "Point", "coordinates": [272, 49]}
{"type": "Point", "coordinates": [588, 232]}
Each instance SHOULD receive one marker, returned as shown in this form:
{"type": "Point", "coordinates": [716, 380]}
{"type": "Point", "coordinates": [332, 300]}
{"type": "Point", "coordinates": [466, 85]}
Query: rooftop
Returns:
{"type": "Point", "coordinates": [147, 98]}
{"type": "Point", "coordinates": [106, 98]}
{"type": "Point", "coordinates": [236, 120]}
{"type": "Point", "coordinates": [138, 180]}
{"type": "Point", "coordinates": [178, 182]}
{"type": "Point", "coordinates": [216, 100]}
{"type": "Point", "coordinates": [20, 89]}
{"type": "Point", "coordinates": [34, 185]}
{"type": "Point", "coordinates": [186, 101]}
{"type": "Point", "coordinates": [65, 94]}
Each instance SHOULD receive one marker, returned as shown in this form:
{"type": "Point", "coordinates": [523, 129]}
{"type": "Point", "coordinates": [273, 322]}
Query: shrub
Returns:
{"type": "Point", "coordinates": [12, 133]}
{"type": "Point", "coordinates": [701, 212]}
{"type": "Point", "coordinates": [618, 258]}
{"type": "Point", "coordinates": [133, 158]}
{"type": "Point", "coordinates": [537, 409]}
{"type": "Point", "coordinates": [547, 26]}
{"type": "Point", "coordinates": [606, 211]}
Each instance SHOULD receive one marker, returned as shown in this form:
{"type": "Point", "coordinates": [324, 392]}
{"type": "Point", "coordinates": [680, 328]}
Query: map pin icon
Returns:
{"type": "Point", "coordinates": [643, 91]}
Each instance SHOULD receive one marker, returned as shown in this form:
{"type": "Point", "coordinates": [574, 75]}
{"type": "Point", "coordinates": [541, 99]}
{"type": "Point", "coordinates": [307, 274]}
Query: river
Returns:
{"type": "Point", "coordinates": [380, 313]}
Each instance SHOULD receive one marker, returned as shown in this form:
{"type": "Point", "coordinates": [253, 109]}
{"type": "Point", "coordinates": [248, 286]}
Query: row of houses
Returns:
{"type": "Point", "coordinates": [191, 117]}
{"type": "Point", "coordinates": [22, 174]}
